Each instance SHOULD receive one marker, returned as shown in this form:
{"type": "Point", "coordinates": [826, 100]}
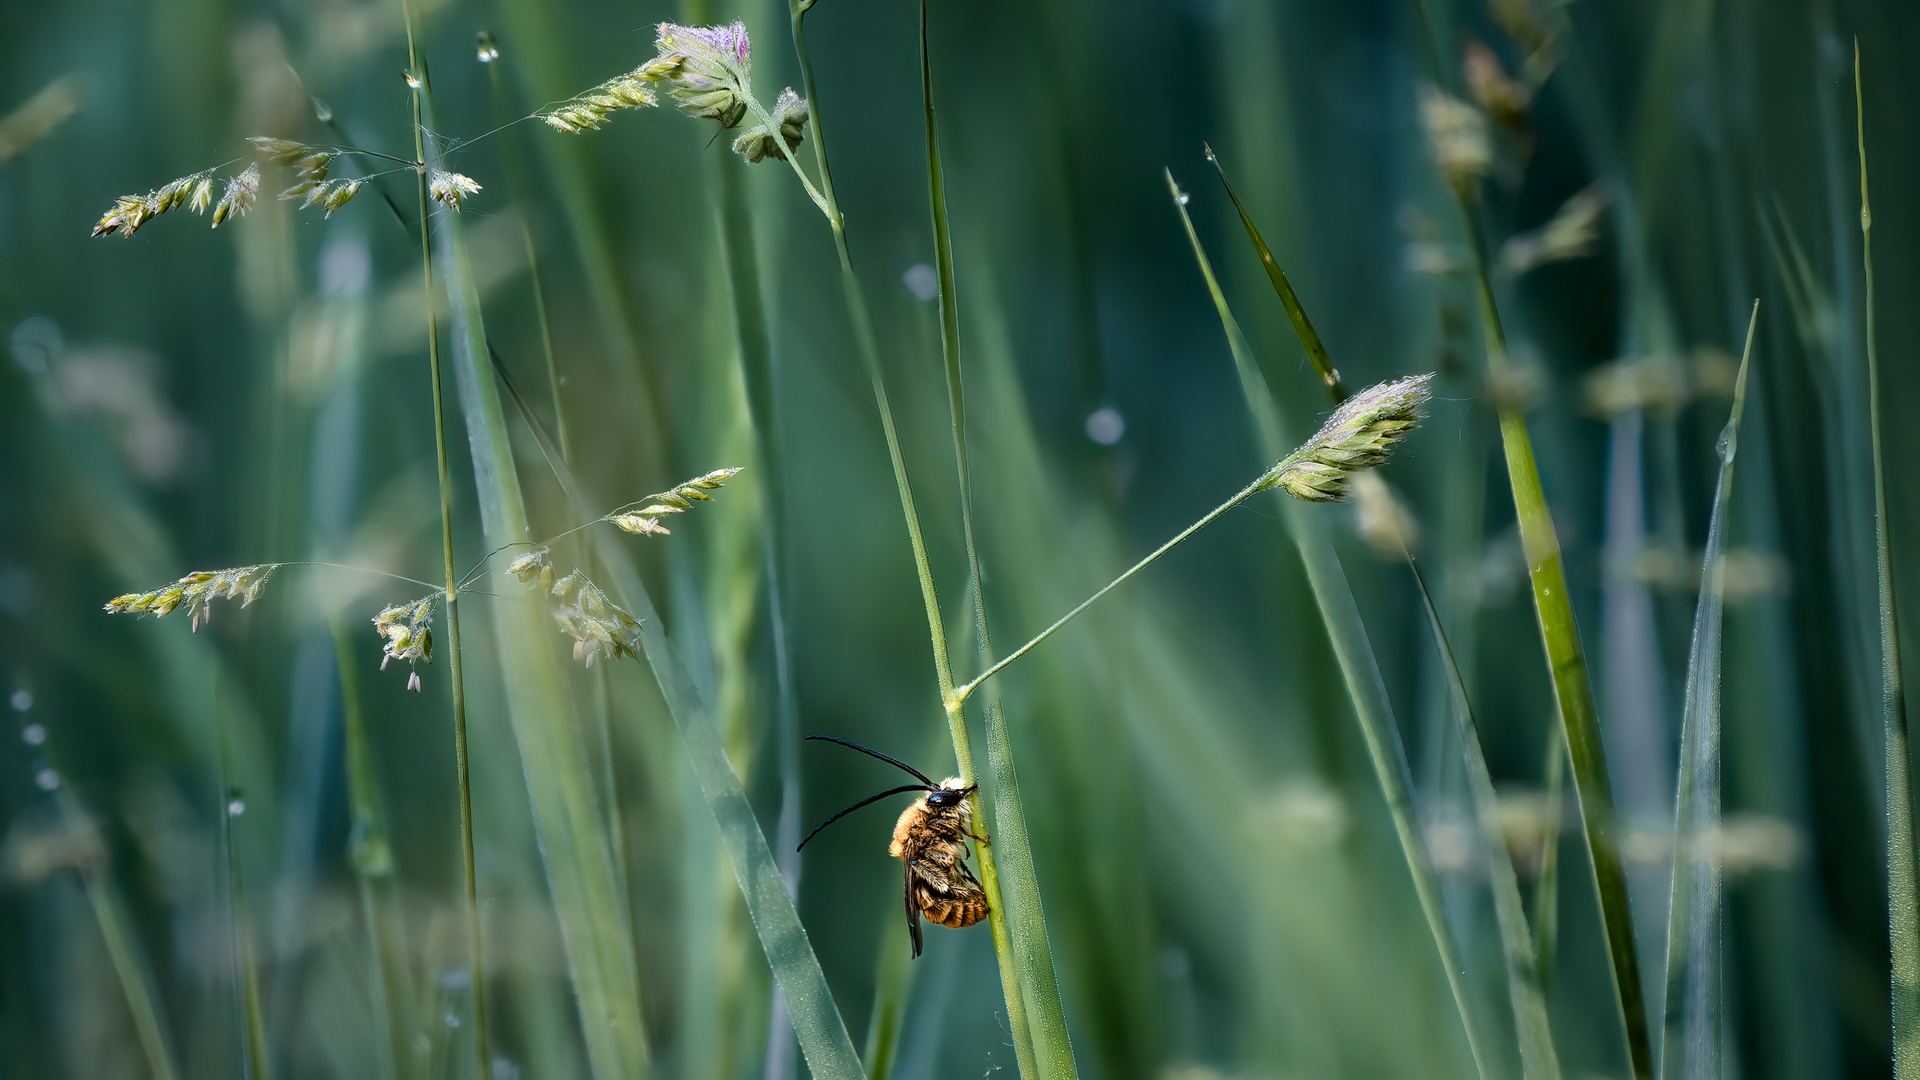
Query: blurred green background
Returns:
{"type": "Point", "coordinates": [1224, 892]}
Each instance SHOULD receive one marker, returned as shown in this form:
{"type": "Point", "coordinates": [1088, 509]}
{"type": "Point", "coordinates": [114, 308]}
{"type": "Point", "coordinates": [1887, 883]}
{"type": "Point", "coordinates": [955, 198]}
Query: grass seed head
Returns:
{"type": "Point", "coordinates": [790, 117]}
{"type": "Point", "coordinates": [1457, 138]}
{"type": "Point", "coordinates": [675, 500]}
{"type": "Point", "coordinates": [1359, 435]}
{"type": "Point", "coordinates": [407, 633]}
{"type": "Point", "coordinates": [707, 69]}
{"type": "Point", "coordinates": [129, 212]}
{"type": "Point", "coordinates": [196, 592]}
{"type": "Point", "coordinates": [590, 111]}
{"type": "Point", "coordinates": [534, 566]}
{"type": "Point", "coordinates": [450, 189]}
{"type": "Point", "coordinates": [1572, 232]}
{"type": "Point", "coordinates": [600, 628]}
{"type": "Point", "coordinates": [242, 190]}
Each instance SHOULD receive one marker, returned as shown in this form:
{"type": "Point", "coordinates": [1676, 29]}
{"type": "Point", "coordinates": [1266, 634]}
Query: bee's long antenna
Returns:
{"type": "Point", "coordinates": [858, 805]}
{"type": "Point", "coordinates": [871, 752]}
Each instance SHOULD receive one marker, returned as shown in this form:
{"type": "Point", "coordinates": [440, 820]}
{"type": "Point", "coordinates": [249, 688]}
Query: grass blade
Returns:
{"type": "Point", "coordinates": [1296, 314]}
{"type": "Point", "coordinates": [1030, 980]}
{"type": "Point", "coordinates": [1695, 1021]}
{"type": "Point", "coordinates": [1903, 896]}
{"type": "Point", "coordinates": [1358, 668]}
{"type": "Point", "coordinates": [816, 1019]}
{"type": "Point", "coordinates": [1538, 1060]}
{"type": "Point", "coordinates": [1567, 663]}
{"type": "Point", "coordinates": [1546, 890]}
{"type": "Point", "coordinates": [573, 833]}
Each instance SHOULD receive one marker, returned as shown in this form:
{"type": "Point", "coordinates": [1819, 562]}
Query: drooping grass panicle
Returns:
{"type": "Point", "coordinates": [1359, 435]}
{"type": "Point", "coordinates": [196, 592]}
{"type": "Point", "coordinates": [408, 632]}
{"type": "Point", "coordinates": [677, 499]}
{"type": "Point", "coordinates": [600, 628]}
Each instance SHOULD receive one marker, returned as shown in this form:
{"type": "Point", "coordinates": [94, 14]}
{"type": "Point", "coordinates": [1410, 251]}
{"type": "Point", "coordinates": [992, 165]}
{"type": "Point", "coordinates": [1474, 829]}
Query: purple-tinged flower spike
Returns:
{"type": "Point", "coordinates": [708, 70]}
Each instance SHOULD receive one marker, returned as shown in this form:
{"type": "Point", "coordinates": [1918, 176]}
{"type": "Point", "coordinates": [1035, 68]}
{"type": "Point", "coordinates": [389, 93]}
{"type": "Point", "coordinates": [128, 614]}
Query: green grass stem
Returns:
{"type": "Point", "coordinates": [475, 950]}
{"type": "Point", "coordinates": [1036, 1018]}
{"type": "Point", "coordinates": [1358, 668]}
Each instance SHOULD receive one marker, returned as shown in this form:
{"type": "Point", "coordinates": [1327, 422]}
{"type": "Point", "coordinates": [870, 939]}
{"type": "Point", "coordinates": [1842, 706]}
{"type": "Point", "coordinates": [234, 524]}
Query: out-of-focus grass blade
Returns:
{"type": "Point", "coordinates": [1538, 1060]}
{"type": "Point", "coordinates": [572, 831]}
{"type": "Point", "coordinates": [1695, 1021]}
{"type": "Point", "coordinates": [1567, 664]}
{"type": "Point", "coordinates": [816, 1019]}
{"type": "Point", "coordinates": [1546, 890]}
{"type": "Point", "coordinates": [1027, 977]}
{"type": "Point", "coordinates": [1358, 667]}
{"type": "Point", "coordinates": [1296, 314]}
{"type": "Point", "coordinates": [1903, 897]}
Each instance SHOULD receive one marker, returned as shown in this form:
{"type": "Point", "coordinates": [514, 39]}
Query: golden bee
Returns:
{"type": "Point", "coordinates": [930, 837]}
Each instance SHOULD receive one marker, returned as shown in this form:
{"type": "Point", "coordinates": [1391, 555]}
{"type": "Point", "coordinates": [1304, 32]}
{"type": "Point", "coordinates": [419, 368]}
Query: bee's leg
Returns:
{"type": "Point", "coordinates": [968, 870]}
{"type": "Point", "coordinates": [913, 914]}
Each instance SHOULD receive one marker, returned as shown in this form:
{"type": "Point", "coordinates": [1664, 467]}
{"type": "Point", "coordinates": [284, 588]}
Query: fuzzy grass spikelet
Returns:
{"type": "Point", "coordinates": [1456, 137]}
{"type": "Point", "coordinates": [707, 69]}
{"type": "Point", "coordinates": [1572, 232]}
{"type": "Point", "coordinates": [678, 499]}
{"type": "Point", "coordinates": [589, 111]}
{"type": "Point", "coordinates": [1359, 435]}
{"type": "Point", "coordinates": [600, 628]}
{"type": "Point", "coordinates": [237, 200]}
{"type": "Point", "coordinates": [407, 630]}
{"type": "Point", "coordinates": [196, 592]}
{"type": "Point", "coordinates": [450, 189]}
{"type": "Point", "coordinates": [129, 212]}
{"type": "Point", "coordinates": [790, 116]}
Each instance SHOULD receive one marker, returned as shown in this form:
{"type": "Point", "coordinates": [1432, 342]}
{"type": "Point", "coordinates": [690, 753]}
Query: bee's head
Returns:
{"type": "Point", "coordinates": [950, 793]}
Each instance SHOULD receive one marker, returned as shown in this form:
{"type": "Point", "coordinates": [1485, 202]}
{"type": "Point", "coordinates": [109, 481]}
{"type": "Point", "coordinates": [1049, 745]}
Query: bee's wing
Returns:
{"type": "Point", "coordinates": [913, 912]}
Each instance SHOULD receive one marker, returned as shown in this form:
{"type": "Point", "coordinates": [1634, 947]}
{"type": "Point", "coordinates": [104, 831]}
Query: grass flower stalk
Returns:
{"type": "Point", "coordinates": [1030, 984]}
{"type": "Point", "coordinates": [417, 81]}
{"type": "Point", "coordinates": [1903, 894]}
{"type": "Point", "coordinates": [1317, 476]}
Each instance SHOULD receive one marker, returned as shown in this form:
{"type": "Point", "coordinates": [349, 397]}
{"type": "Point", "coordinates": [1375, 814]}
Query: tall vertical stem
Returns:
{"type": "Point", "coordinates": [418, 78]}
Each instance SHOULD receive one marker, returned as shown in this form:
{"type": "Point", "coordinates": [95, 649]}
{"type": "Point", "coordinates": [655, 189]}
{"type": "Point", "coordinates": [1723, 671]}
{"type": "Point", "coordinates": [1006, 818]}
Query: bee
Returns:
{"type": "Point", "coordinates": [930, 838]}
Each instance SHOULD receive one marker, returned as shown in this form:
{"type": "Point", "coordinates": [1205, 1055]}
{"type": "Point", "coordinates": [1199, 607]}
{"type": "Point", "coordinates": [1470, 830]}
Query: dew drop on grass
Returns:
{"type": "Point", "coordinates": [46, 780]}
{"type": "Point", "coordinates": [922, 281]}
{"type": "Point", "coordinates": [1105, 425]}
{"type": "Point", "coordinates": [236, 807]}
{"type": "Point", "coordinates": [33, 734]}
{"type": "Point", "coordinates": [22, 700]}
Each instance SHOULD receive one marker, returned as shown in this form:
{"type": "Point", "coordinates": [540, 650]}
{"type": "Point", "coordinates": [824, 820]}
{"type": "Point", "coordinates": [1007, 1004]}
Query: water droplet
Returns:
{"type": "Point", "coordinates": [1106, 426]}
{"type": "Point", "coordinates": [22, 700]}
{"type": "Point", "coordinates": [236, 807]}
{"type": "Point", "coordinates": [1184, 197]}
{"type": "Point", "coordinates": [46, 779]}
{"type": "Point", "coordinates": [455, 979]}
{"type": "Point", "coordinates": [922, 281]}
{"type": "Point", "coordinates": [452, 1020]}
{"type": "Point", "coordinates": [33, 734]}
